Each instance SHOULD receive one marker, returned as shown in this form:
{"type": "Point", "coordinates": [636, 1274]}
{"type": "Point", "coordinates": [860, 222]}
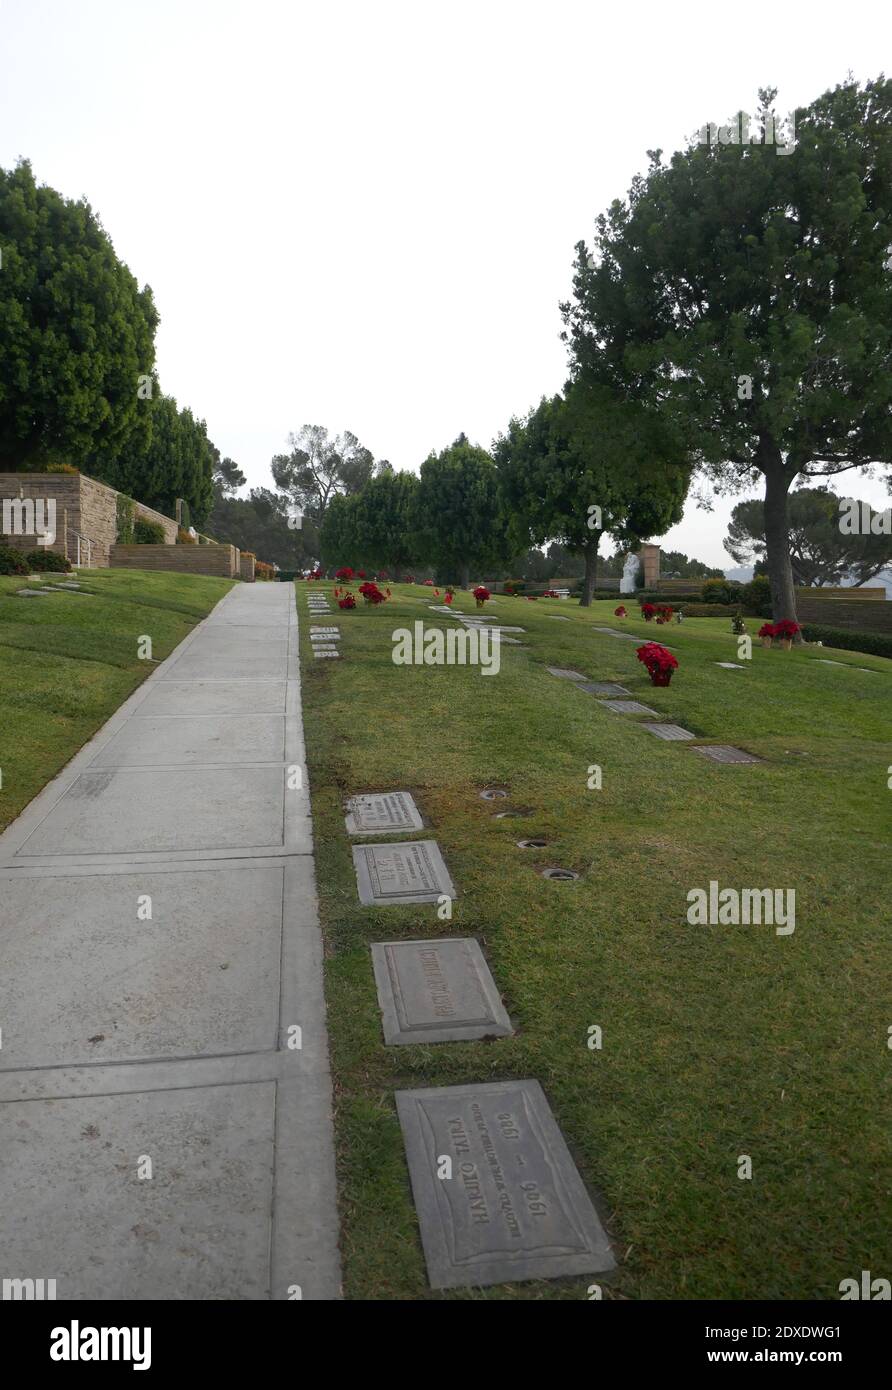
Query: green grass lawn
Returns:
{"type": "Point", "coordinates": [68, 661]}
{"type": "Point", "coordinates": [718, 1041]}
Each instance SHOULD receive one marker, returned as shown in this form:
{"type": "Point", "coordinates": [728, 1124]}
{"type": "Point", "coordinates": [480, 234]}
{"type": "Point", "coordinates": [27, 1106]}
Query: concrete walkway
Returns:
{"type": "Point", "coordinates": [159, 946]}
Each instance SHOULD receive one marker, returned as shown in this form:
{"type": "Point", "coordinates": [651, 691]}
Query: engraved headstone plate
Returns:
{"type": "Point", "coordinates": [515, 1206]}
{"type": "Point", "coordinates": [321, 655]}
{"type": "Point", "coordinates": [731, 665]}
{"type": "Point", "coordinates": [725, 753]}
{"type": "Point", "coordinates": [566, 675]}
{"type": "Point", "coordinates": [409, 871]}
{"type": "Point", "coordinates": [437, 991]}
{"type": "Point", "coordinates": [376, 813]}
{"type": "Point", "coordinates": [669, 732]}
{"type": "Point", "coordinates": [324, 647]}
{"type": "Point", "coordinates": [603, 688]}
{"type": "Point", "coordinates": [628, 707]}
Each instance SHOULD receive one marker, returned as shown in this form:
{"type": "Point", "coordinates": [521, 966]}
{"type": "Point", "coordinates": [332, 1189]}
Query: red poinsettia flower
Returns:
{"type": "Point", "coordinates": [768, 630]}
{"type": "Point", "coordinates": [620, 612]}
{"type": "Point", "coordinates": [345, 572]}
{"type": "Point", "coordinates": [660, 663]}
{"type": "Point", "coordinates": [348, 601]}
{"type": "Point", "coordinates": [448, 598]}
{"type": "Point", "coordinates": [647, 611]}
{"type": "Point", "coordinates": [786, 628]}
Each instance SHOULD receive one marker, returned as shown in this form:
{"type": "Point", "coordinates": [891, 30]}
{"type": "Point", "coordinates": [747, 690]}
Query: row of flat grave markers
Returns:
{"type": "Point", "coordinates": [324, 640]}
{"type": "Point", "coordinates": [496, 1190]}
{"type": "Point", "coordinates": [608, 691]}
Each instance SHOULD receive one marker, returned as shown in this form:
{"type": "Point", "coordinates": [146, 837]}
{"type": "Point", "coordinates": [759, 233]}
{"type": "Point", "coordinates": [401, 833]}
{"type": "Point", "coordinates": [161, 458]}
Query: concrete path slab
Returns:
{"type": "Point", "coordinates": [161, 964]}
{"type": "Point", "coordinates": [181, 698]}
{"type": "Point", "coordinates": [223, 738]}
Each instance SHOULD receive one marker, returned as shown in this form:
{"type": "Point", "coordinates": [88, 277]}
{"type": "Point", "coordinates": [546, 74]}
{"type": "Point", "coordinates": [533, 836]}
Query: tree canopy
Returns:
{"type": "Point", "coordinates": [457, 525]}
{"type": "Point", "coordinates": [76, 334]}
{"type": "Point", "coordinates": [821, 552]}
{"type": "Point", "coordinates": [588, 463]}
{"type": "Point", "coordinates": [746, 296]}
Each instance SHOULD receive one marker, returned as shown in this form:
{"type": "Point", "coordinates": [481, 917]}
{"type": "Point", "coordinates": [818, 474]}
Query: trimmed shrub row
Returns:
{"type": "Point", "coordinates": [875, 643]}
{"type": "Point", "coordinates": [15, 562]}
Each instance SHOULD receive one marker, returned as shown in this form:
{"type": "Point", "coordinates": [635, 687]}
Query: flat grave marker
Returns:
{"type": "Point", "coordinates": [603, 688]}
{"type": "Point", "coordinates": [627, 707]}
{"type": "Point", "coordinates": [374, 813]}
{"type": "Point", "coordinates": [437, 991]}
{"type": "Point", "coordinates": [319, 655]}
{"type": "Point", "coordinates": [565, 674]}
{"type": "Point", "coordinates": [408, 871]}
{"type": "Point", "coordinates": [731, 665]}
{"type": "Point", "coordinates": [515, 1206]}
{"type": "Point", "coordinates": [669, 732]}
{"type": "Point", "coordinates": [725, 753]}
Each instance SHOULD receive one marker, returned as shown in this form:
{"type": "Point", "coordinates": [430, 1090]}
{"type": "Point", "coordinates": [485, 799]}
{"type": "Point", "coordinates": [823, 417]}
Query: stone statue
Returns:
{"type": "Point", "coordinates": [630, 573]}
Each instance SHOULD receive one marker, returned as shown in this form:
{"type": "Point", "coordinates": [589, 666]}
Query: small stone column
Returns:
{"type": "Point", "coordinates": [649, 555]}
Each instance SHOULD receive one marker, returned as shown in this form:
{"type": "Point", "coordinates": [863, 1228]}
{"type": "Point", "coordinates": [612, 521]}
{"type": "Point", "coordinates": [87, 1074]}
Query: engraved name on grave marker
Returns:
{"type": "Point", "coordinates": [515, 1206]}
{"type": "Point", "coordinates": [437, 991]}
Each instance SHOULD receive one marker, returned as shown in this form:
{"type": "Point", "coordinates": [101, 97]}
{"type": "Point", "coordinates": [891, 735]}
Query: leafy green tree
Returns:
{"type": "Point", "coordinates": [381, 521]}
{"type": "Point", "coordinates": [338, 533]}
{"type": "Point", "coordinates": [746, 296]}
{"type": "Point", "coordinates": [178, 461]}
{"type": "Point", "coordinates": [820, 552]}
{"type": "Point", "coordinates": [589, 463]}
{"type": "Point", "coordinates": [318, 468]}
{"type": "Point", "coordinates": [76, 335]}
{"type": "Point", "coordinates": [261, 523]}
{"type": "Point", "coordinates": [456, 521]}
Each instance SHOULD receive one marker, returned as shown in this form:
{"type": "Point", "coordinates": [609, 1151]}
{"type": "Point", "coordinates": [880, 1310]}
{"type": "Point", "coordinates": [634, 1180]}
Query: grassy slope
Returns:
{"type": "Point", "coordinates": [67, 662]}
{"type": "Point", "coordinates": [718, 1041]}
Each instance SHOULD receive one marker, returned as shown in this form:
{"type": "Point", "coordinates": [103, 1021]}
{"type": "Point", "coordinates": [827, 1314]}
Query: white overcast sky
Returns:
{"type": "Point", "coordinates": [363, 215]}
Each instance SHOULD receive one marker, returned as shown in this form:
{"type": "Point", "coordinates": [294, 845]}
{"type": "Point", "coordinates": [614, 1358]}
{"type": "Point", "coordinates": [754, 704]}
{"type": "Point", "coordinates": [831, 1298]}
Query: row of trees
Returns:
{"type": "Point", "coordinates": [469, 510]}
{"type": "Point", "coordinates": [733, 320]}
{"type": "Point", "coordinates": [77, 358]}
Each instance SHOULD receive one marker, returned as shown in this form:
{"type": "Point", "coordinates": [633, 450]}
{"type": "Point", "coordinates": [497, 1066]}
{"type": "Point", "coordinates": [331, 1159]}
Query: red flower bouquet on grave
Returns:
{"type": "Point", "coordinates": [371, 593]}
{"type": "Point", "coordinates": [620, 612]}
{"type": "Point", "coordinates": [345, 572]}
{"type": "Point", "coordinates": [767, 632]}
{"type": "Point", "coordinates": [660, 663]}
{"type": "Point", "coordinates": [664, 613]}
{"type": "Point", "coordinates": [447, 598]}
{"type": "Point", "coordinates": [551, 593]}
{"type": "Point", "coordinates": [785, 631]}
{"type": "Point", "coordinates": [348, 601]}
{"type": "Point", "coordinates": [647, 611]}
{"type": "Point", "coordinates": [481, 594]}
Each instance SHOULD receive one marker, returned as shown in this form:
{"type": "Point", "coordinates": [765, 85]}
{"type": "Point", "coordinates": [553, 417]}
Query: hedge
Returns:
{"type": "Point", "coordinates": [148, 532]}
{"type": "Point", "coordinates": [873, 643]}
{"type": "Point", "coordinates": [12, 561]}
{"type": "Point", "coordinates": [46, 560]}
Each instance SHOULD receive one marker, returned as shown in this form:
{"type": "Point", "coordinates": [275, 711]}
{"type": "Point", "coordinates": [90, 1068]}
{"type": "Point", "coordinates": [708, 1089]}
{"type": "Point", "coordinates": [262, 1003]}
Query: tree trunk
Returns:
{"type": "Point", "coordinates": [777, 533]}
{"type": "Point", "coordinates": [464, 576]}
{"type": "Point", "coordinates": [591, 572]}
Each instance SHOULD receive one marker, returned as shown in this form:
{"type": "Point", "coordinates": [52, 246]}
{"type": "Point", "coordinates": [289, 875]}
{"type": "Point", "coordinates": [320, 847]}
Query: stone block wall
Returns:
{"type": "Point", "coordinates": [83, 506]}
{"type": "Point", "coordinates": [220, 560]}
{"type": "Point", "coordinates": [247, 567]}
{"type": "Point", "coordinates": [859, 615]}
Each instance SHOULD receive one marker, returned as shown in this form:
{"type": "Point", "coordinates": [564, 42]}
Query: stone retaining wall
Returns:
{"type": "Point", "coordinates": [224, 561]}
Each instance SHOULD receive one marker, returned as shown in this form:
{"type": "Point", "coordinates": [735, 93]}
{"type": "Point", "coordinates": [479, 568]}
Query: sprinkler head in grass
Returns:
{"type": "Point", "coordinates": [493, 794]}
